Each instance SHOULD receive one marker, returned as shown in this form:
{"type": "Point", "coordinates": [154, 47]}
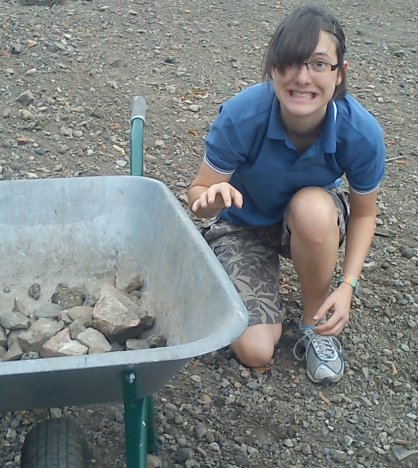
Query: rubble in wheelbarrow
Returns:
{"type": "Point", "coordinates": [77, 323]}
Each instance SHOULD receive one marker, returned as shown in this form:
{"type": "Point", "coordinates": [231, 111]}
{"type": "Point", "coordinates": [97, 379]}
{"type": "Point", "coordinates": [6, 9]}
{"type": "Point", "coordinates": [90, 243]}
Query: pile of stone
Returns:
{"type": "Point", "coordinates": [75, 323]}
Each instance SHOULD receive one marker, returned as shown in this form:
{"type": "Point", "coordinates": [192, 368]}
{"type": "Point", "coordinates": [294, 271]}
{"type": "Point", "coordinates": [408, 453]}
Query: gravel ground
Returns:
{"type": "Point", "coordinates": [82, 62]}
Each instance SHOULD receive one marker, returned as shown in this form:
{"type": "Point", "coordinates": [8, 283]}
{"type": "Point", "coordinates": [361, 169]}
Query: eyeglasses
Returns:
{"type": "Point", "coordinates": [315, 66]}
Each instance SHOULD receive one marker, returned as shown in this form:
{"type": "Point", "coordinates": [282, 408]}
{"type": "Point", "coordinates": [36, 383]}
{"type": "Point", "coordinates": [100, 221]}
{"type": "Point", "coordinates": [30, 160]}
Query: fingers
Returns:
{"type": "Point", "coordinates": [338, 304]}
{"type": "Point", "coordinates": [335, 324]}
{"type": "Point", "coordinates": [196, 206]}
{"type": "Point", "coordinates": [327, 306]}
{"type": "Point", "coordinates": [238, 200]}
{"type": "Point", "coordinates": [224, 190]}
{"type": "Point", "coordinates": [223, 194]}
{"type": "Point", "coordinates": [332, 327]}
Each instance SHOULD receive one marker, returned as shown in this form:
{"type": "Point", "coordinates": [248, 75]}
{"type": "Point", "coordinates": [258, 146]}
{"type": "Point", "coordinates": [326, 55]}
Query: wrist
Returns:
{"type": "Point", "coordinates": [349, 281]}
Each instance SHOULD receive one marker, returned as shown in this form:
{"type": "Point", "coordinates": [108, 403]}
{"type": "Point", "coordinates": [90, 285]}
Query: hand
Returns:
{"type": "Point", "coordinates": [339, 303]}
{"type": "Point", "coordinates": [218, 196]}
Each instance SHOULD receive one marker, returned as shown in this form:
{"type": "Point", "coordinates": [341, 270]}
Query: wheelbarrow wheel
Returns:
{"type": "Point", "coordinates": [55, 443]}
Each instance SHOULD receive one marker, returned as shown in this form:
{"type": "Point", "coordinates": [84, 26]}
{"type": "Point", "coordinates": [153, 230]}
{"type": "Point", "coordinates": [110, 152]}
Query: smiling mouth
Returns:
{"type": "Point", "coordinates": [302, 95]}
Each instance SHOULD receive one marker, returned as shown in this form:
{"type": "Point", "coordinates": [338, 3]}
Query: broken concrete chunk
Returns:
{"type": "Point", "coordinates": [68, 297]}
{"type": "Point", "coordinates": [136, 343]}
{"type": "Point", "coordinates": [26, 98]}
{"type": "Point", "coordinates": [82, 314]}
{"type": "Point", "coordinates": [90, 301]}
{"type": "Point", "coordinates": [35, 291]}
{"type": "Point", "coordinates": [3, 337]}
{"type": "Point", "coordinates": [14, 353]}
{"type": "Point", "coordinates": [20, 308]}
{"type": "Point", "coordinates": [147, 318]}
{"type": "Point", "coordinates": [136, 284]}
{"type": "Point", "coordinates": [76, 323]}
{"type": "Point", "coordinates": [38, 333]}
{"type": "Point", "coordinates": [135, 296]}
{"type": "Point", "coordinates": [117, 346]}
{"type": "Point", "coordinates": [65, 317]}
{"type": "Point", "coordinates": [115, 313]}
{"type": "Point", "coordinates": [14, 320]}
{"type": "Point", "coordinates": [47, 310]}
{"type": "Point", "coordinates": [76, 328]}
{"type": "Point", "coordinates": [94, 340]}
{"type": "Point", "coordinates": [62, 345]}
{"type": "Point", "coordinates": [157, 341]}
{"type": "Point", "coordinates": [128, 281]}
{"type": "Point", "coordinates": [30, 355]}
{"type": "Point", "coordinates": [402, 453]}
{"type": "Point", "coordinates": [12, 337]}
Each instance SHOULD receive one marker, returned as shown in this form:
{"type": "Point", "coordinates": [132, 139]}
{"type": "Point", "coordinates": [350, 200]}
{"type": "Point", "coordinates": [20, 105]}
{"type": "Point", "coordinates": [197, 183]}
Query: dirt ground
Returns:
{"type": "Point", "coordinates": [83, 61]}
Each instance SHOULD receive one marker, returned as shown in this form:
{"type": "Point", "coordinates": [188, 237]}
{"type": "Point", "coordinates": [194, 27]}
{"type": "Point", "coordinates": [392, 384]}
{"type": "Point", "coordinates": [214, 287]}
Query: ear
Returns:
{"type": "Point", "coordinates": [340, 75]}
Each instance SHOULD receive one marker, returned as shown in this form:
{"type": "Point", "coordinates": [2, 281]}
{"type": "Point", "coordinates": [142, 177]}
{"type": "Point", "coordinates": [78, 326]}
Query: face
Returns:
{"type": "Point", "coordinates": [304, 94]}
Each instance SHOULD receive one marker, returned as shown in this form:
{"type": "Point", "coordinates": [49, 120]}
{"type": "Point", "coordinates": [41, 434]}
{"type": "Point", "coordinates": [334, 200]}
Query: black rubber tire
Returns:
{"type": "Point", "coordinates": [55, 443]}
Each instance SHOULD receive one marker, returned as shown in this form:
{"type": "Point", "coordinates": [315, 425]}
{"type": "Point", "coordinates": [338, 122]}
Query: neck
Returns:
{"type": "Point", "coordinates": [304, 131]}
{"type": "Point", "coordinates": [303, 127]}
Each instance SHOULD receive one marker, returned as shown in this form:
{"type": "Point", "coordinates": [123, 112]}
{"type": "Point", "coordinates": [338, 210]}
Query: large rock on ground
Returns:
{"type": "Point", "coordinates": [62, 345]}
{"type": "Point", "coordinates": [116, 315]}
{"type": "Point", "coordinates": [14, 320]}
{"type": "Point", "coordinates": [68, 297]}
{"type": "Point", "coordinates": [128, 281]}
{"type": "Point", "coordinates": [3, 337]}
{"type": "Point", "coordinates": [37, 334]}
{"type": "Point", "coordinates": [94, 340]}
{"type": "Point", "coordinates": [47, 310]}
{"type": "Point", "coordinates": [81, 314]}
{"type": "Point", "coordinates": [136, 343]}
{"type": "Point", "coordinates": [14, 353]}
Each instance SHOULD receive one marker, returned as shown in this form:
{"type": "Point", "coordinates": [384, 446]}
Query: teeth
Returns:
{"type": "Point", "coordinates": [298, 94]}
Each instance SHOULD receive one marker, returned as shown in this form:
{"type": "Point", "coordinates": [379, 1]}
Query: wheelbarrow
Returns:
{"type": "Point", "coordinates": [78, 230]}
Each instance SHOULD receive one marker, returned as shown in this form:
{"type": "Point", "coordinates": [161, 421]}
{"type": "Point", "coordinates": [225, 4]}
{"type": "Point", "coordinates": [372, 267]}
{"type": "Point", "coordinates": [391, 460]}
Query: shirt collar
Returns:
{"type": "Point", "coordinates": [328, 137]}
{"type": "Point", "coordinates": [275, 129]}
{"type": "Point", "coordinates": [327, 140]}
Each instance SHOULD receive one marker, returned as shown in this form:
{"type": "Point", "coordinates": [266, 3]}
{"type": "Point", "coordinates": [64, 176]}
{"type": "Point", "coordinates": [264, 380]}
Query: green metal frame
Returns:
{"type": "Point", "coordinates": [140, 435]}
{"type": "Point", "coordinates": [137, 146]}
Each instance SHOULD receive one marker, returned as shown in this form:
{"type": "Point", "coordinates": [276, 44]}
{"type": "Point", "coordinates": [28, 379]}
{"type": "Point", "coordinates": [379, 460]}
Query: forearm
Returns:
{"type": "Point", "coordinates": [360, 232]}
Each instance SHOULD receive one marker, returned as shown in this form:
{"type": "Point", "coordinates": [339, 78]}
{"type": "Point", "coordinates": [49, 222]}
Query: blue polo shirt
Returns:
{"type": "Point", "coordinates": [248, 141]}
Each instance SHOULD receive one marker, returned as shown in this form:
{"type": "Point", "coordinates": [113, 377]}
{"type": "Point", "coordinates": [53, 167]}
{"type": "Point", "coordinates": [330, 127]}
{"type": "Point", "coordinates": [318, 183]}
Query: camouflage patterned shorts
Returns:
{"type": "Point", "coordinates": [250, 256]}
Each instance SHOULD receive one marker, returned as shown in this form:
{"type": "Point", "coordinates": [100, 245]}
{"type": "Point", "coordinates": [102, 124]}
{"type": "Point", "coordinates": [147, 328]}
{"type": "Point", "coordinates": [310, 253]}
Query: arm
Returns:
{"type": "Point", "coordinates": [210, 192]}
{"type": "Point", "coordinates": [360, 232]}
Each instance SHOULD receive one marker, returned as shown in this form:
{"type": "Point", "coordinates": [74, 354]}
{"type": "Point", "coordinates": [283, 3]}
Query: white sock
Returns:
{"type": "Point", "coordinates": [303, 327]}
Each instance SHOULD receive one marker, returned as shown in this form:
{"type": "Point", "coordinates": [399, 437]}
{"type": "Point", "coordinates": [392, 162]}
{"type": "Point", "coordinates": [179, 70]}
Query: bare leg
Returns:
{"type": "Point", "coordinates": [256, 346]}
{"type": "Point", "coordinates": [314, 242]}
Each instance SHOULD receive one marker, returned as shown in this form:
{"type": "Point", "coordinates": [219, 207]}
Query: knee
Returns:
{"type": "Point", "coordinates": [312, 214]}
{"type": "Point", "coordinates": [252, 350]}
{"type": "Point", "coordinates": [252, 355]}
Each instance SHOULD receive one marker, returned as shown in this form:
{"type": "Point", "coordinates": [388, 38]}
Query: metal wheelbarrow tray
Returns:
{"type": "Point", "coordinates": [79, 230]}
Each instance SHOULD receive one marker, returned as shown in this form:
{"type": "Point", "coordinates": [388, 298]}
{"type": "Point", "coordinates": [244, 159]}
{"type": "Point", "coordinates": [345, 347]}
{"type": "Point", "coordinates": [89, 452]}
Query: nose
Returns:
{"type": "Point", "coordinates": [303, 74]}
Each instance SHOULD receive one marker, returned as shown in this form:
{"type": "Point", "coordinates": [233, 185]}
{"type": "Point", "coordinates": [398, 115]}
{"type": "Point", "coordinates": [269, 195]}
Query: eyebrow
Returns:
{"type": "Point", "coordinates": [320, 53]}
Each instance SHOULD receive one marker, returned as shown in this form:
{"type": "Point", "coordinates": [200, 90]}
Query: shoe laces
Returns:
{"type": "Point", "coordinates": [327, 348]}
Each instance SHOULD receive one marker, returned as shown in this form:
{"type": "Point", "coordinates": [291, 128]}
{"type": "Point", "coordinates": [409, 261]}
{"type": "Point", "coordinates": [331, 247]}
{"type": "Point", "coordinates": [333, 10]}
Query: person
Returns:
{"type": "Point", "coordinates": [272, 178]}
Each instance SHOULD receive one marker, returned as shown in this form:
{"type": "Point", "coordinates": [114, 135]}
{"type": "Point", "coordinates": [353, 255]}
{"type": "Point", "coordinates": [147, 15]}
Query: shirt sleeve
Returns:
{"type": "Point", "coordinates": [225, 144]}
{"type": "Point", "coordinates": [367, 165]}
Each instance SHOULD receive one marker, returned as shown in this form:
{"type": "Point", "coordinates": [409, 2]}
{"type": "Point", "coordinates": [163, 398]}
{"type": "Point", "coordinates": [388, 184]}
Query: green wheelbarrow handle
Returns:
{"type": "Point", "coordinates": [139, 412]}
{"type": "Point", "coordinates": [137, 136]}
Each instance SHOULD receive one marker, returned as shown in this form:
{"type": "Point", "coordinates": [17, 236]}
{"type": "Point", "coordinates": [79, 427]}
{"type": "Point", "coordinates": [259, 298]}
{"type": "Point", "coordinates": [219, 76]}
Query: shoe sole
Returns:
{"type": "Point", "coordinates": [325, 382]}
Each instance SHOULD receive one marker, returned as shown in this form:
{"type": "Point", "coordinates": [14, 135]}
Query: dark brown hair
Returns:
{"type": "Point", "coordinates": [296, 38]}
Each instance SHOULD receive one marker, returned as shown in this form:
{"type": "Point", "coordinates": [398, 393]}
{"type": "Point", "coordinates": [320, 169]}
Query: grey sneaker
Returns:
{"type": "Point", "coordinates": [323, 355]}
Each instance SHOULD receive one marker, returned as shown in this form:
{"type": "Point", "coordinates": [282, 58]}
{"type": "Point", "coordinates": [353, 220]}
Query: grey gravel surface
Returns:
{"type": "Point", "coordinates": [68, 72]}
